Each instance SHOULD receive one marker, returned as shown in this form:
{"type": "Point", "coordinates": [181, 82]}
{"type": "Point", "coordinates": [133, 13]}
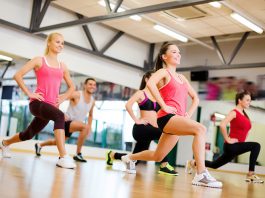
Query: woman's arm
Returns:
{"type": "Point", "coordinates": [34, 63]}
{"type": "Point", "coordinates": [137, 97]}
{"type": "Point", "coordinates": [70, 84]}
{"type": "Point", "coordinates": [195, 99]}
{"type": "Point", "coordinates": [152, 83]}
{"type": "Point", "coordinates": [223, 128]}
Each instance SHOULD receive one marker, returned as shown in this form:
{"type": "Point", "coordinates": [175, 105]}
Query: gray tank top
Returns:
{"type": "Point", "coordinates": [80, 110]}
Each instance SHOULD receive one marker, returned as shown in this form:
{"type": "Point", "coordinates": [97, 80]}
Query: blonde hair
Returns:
{"type": "Point", "coordinates": [49, 39]}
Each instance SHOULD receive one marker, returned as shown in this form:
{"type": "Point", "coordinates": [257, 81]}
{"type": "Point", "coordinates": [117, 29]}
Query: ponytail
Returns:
{"type": "Point", "coordinates": [159, 62]}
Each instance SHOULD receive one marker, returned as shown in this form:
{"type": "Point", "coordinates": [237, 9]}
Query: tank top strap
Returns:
{"type": "Point", "coordinates": [145, 96]}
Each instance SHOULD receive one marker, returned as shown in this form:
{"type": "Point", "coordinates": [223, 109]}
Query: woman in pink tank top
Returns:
{"type": "Point", "coordinates": [171, 90]}
{"type": "Point", "coordinates": [45, 100]}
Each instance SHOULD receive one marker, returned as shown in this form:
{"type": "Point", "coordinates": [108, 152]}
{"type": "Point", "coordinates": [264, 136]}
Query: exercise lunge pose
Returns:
{"type": "Point", "coordinates": [235, 143]}
{"type": "Point", "coordinates": [171, 91]}
{"type": "Point", "coordinates": [81, 104]}
{"type": "Point", "coordinates": [145, 128]}
{"type": "Point", "coordinates": [45, 100]}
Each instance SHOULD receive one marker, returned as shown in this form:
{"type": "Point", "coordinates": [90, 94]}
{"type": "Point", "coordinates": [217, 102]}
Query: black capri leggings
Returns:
{"type": "Point", "coordinates": [233, 150]}
{"type": "Point", "coordinates": [43, 113]}
{"type": "Point", "coordinates": [144, 134]}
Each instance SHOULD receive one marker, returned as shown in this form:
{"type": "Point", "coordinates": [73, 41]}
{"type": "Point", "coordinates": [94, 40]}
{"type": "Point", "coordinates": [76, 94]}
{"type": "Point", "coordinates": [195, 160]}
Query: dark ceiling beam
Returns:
{"type": "Point", "coordinates": [112, 41]}
{"type": "Point", "coordinates": [149, 64]}
{"type": "Point", "coordinates": [88, 34]}
{"type": "Point", "coordinates": [5, 70]}
{"type": "Point", "coordinates": [239, 45]}
{"type": "Point", "coordinates": [218, 50]}
{"type": "Point", "coordinates": [143, 10]}
{"type": "Point", "coordinates": [36, 6]}
{"type": "Point", "coordinates": [117, 6]}
{"type": "Point", "coordinates": [43, 12]}
{"type": "Point", "coordinates": [20, 28]}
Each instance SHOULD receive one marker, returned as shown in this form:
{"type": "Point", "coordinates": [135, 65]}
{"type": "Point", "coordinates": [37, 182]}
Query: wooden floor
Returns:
{"type": "Point", "coordinates": [27, 176]}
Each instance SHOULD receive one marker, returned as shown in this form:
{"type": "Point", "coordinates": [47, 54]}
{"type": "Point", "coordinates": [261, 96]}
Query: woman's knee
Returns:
{"type": "Point", "coordinates": [256, 146]}
{"type": "Point", "coordinates": [200, 130]}
{"type": "Point", "coordinates": [59, 120]}
{"type": "Point", "coordinates": [158, 157]}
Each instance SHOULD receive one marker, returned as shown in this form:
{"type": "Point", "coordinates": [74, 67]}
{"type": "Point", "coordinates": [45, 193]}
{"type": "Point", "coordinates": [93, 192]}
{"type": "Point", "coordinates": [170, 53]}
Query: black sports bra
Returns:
{"type": "Point", "coordinates": [148, 105]}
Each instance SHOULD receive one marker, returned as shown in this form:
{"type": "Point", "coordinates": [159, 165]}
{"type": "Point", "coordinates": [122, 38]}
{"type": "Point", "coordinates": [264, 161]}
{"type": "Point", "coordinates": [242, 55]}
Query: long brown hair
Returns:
{"type": "Point", "coordinates": [240, 96]}
{"type": "Point", "coordinates": [159, 60]}
{"type": "Point", "coordinates": [49, 39]}
{"type": "Point", "coordinates": [146, 75]}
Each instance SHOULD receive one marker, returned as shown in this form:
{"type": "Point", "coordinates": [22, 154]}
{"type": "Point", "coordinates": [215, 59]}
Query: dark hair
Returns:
{"type": "Point", "coordinates": [146, 75]}
{"type": "Point", "coordinates": [240, 96]}
{"type": "Point", "coordinates": [89, 79]}
{"type": "Point", "coordinates": [159, 61]}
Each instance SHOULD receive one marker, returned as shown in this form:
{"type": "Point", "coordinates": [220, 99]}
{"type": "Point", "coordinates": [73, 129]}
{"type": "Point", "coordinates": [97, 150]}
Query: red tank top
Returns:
{"type": "Point", "coordinates": [174, 94]}
{"type": "Point", "coordinates": [49, 81]}
{"type": "Point", "coordinates": [239, 127]}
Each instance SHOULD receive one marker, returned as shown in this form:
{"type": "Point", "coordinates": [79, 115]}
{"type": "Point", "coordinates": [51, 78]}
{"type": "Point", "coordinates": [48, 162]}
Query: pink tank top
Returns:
{"type": "Point", "coordinates": [49, 81]}
{"type": "Point", "coordinates": [174, 94]}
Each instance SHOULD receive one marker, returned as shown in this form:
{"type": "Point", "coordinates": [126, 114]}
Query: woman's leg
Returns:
{"type": "Point", "coordinates": [183, 126]}
{"type": "Point", "coordinates": [165, 145]}
{"type": "Point", "coordinates": [46, 111]}
{"type": "Point", "coordinates": [227, 156]}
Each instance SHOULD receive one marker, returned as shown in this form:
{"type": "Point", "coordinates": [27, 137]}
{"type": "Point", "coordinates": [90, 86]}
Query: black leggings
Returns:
{"type": "Point", "coordinates": [233, 150]}
{"type": "Point", "coordinates": [43, 113]}
{"type": "Point", "coordinates": [143, 134]}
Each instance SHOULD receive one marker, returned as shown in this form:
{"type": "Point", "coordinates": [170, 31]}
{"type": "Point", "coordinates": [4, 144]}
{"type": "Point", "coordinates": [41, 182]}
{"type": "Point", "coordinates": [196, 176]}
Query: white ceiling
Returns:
{"type": "Point", "coordinates": [199, 21]}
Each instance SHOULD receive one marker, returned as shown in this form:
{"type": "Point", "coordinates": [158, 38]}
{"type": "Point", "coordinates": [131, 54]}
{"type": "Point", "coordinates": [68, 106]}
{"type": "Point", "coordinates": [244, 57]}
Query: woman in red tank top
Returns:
{"type": "Point", "coordinates": [235, 144]}
{"type": "Point", "coordinates": [45, 100]}
{"type": "Point", "coordinates": [171, 90]}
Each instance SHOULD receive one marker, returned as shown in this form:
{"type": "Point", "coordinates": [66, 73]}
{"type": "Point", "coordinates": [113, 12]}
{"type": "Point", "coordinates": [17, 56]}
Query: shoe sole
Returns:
{"type": "Point", "coordinates": [78, 160]}
{"type": "Point", "coordinates": [163, 173]}
{"type": "Point", "coordinates": [205, 185]}
{"type": "Point", "coordinates": [65, 167]}
{"type": "Point", "coordinates": [255, 182]}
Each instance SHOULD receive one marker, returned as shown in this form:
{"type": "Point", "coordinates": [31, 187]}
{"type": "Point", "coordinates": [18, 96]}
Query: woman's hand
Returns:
{"type": "Point", "coordinates": [37, 96]}
{"type": "Point", "coordinates": [141, 121]}
{"type": "Point", "coordinates": [169, 109]}
{"type": "Point", "coordinates": [60, 100]}
{"type": "Point", "coordinates": [231, 140]}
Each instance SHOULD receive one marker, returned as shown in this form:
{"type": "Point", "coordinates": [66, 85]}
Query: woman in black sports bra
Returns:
{"type": "Point", "coordinates": [145, 128]}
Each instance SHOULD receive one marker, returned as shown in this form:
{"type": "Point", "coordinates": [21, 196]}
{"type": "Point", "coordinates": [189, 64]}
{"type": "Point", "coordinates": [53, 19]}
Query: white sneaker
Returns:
{"type": "Point", "coordinates": [205, 179]}
{"type": "Point", "coordinates": [66, 162]}
{"type": "Point", "coordinates": [130, 164]}
{"type": "Point", "coordinates": [5, 151]}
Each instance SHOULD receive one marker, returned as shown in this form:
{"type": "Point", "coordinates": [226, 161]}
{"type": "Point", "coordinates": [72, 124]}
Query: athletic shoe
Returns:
{"type": "Point", "coordinates": [254, 179]}
{"type": "Point", "coordinates": [130, 164]}
{"type": "Point", "coordinates": [205, 179]}
{"type": "Point", "coordinates": [109, 160]}
{"type": "Point", "coordinates": [66, 162]}
{"type": "Point", "coordinates": [79, 158]}
{"type": "Point", "coordinates": [37, 149]}
{"type": "Point", "coordinates": [190, 167]}
{"type": "Point", "coordinates": [5, 150]}
{"type": "Point", "coordinates": [167, 170]}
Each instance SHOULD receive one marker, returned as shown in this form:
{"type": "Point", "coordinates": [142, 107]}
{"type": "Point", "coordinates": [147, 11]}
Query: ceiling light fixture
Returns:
{"type": "Point", "coordinates": [246, 22]}
{"type": "Point", "coordinates": [170, 33]}
{"type": "Point", "coordinates": [120, 9]}
{"type": "Point", "coordinates": [216, 4]}
{"type": "Point", "coordinates": [7, 58]}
